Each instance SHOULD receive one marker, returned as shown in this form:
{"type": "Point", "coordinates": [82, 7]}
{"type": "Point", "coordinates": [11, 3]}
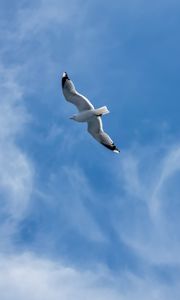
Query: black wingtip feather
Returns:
{"type": "Point", "coordinates": [111, 147]}
{"type": "Point", "coordinates": [64, 78]}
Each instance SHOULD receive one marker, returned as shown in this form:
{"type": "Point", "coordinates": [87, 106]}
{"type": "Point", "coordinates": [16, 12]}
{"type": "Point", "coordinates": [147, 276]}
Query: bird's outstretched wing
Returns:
{"type": "Point", "coordinates": [71, 95]}
{"type": "Point", "coordinates": [95, 128]}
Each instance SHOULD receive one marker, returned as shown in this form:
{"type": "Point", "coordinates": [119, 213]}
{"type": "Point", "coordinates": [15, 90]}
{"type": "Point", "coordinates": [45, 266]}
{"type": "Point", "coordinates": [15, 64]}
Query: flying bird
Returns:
{"type": "Point", "coordinates": [87, 113]}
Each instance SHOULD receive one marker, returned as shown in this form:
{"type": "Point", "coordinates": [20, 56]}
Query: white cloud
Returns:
{"type": "Point", "coordinates": [16, 171]}
{"type": "Point", "coordinates": [73, 195]}
{"type": "Point", "coordinates": [29, 277]}
{"type": "Point", "coordinates": [147, 179]}
{"type": "Point", "coordinates": [44, 15]}
{"type": "Point", "coordinates": [170, 166]}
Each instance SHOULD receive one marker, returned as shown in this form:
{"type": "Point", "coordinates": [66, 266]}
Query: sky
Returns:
{"type": "Point", "coordinates": [77, 220]}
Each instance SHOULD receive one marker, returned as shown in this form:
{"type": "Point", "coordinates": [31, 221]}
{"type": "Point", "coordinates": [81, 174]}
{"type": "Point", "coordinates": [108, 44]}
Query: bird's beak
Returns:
{"type": "Point", "coordinates": [71, 118]}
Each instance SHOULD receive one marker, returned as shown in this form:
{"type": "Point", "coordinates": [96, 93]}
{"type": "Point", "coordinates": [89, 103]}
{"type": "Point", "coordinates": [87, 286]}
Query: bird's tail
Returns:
{"type": "Point", "coordinates": [101, 111]}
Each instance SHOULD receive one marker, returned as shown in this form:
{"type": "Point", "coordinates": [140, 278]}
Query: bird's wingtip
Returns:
{"type": "Point", "coordinates": [111, 147]}
{"type": "Point", "coordinates": [64, 78]}
{"type": "Point", "coordinates": [116, 151]}
{"type": "Point", "coordinates": [65, 74]}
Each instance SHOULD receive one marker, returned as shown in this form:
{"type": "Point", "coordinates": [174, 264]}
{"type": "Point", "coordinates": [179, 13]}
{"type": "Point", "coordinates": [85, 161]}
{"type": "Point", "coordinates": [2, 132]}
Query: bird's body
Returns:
{"type": "Point", "coordinates": [87, 113]}
{"type": "Point", "coordinates": [83, 116]}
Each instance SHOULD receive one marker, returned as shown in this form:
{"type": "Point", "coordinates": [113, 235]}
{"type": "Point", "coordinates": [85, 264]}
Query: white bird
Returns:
{"type": "Point", "coordinates": [87, 113]}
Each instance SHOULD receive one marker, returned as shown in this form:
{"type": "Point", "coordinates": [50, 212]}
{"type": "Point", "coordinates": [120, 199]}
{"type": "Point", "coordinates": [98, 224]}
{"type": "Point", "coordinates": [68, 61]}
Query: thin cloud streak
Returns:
{"type": "Point", "coordinates": [16, 170]}
{"type": "Point", "coordinates": [151, 233]}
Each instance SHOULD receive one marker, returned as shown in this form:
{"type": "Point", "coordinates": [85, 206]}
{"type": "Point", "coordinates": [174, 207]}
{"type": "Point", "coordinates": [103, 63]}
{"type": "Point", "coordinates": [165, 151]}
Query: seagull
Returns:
{"type": "Point", "coordinates": [87, 113]}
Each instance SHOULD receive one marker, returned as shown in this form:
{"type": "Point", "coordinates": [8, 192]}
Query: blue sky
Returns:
{"type": "Point", "coordinates": [78, 221]}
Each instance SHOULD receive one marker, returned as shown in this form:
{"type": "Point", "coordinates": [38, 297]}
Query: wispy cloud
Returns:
{"type": "Point", "coordinates": [147, 178]}
{"type": "Point", "coordinates": [71, 196]}
{"type": "Point", "coordinates": [17, 83]}
{"type": "Point", "coordinates": [16, 170]}
{"type": "Point", "coordinates": [29, 277]}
